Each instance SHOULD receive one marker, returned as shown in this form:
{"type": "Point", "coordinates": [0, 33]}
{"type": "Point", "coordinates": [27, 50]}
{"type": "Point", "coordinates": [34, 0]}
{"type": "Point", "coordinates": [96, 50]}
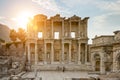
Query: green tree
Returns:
{"type": "Point", "coordinates": [21, 34]}
{"type": "Point", "coordinates": [1, 40]}
{"type": "Point", "coordinates": [13, 35]}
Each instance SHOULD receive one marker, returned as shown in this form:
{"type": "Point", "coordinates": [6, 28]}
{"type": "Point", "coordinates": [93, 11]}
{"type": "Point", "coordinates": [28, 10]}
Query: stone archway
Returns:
{"type": "Point", "coordinates": [96, 62]}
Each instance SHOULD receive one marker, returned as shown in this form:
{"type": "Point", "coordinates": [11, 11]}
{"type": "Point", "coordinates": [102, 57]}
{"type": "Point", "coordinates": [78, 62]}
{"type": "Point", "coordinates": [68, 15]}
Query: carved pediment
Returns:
{"type": "Point", "coordinates": [57, 17]}
{"type": "Point", "coordinates": [117, 36]}
{"type": "Point", "coordinates": [75, 18]}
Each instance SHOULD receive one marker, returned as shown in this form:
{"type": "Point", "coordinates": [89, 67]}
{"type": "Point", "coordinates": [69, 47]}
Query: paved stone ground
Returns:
{"type": "Point", "coordinates": [58, 75]}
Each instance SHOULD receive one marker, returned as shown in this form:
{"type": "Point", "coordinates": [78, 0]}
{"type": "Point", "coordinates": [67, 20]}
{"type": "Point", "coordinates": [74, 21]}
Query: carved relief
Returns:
{"type": "Point", "coordinates": [57, 17]}
{"type": "Point", "coordinates": [75, 18]}
{"type": "Point", "coordinates": [117, 36]}
{"type": "Point", "coordinates": [82, 34]}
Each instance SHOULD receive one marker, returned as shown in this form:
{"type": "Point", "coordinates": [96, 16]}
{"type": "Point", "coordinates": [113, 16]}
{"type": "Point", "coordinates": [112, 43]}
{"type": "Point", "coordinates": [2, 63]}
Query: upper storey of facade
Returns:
{"type": "Point", "coordinates": [103, 40]}
{"type": "Point", "coordinates": [57, 27]}
{"type": "Point", "coordinates": [107, 39]}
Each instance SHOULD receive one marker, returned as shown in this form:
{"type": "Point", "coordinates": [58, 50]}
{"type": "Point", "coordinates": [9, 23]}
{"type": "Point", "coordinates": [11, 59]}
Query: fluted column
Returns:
{"type": "Point", "coordinates": [62, 52]}
{"type": "Point", "coordinates": [52, 30]}
{"type": "Point", "coordinates": [79, 53]}
{"type": "Point", "coordinates": [70, 29]}
{"type": "Point", "coordinates": [63, 29]}
{"type": "Point", "coordinates": [36, 54]}
{"type": "Point", "coordinates": [69, 52]}
{"type": "Point", "coordinates": [79, 28]}
{"type": "Point", "coordinates": [52, 53]}
{"type": "Point", "coordinates": [45, 53]}
{"type": "Point", "coordinates": [86, 53]}
{"type": "Point", "coordinates": [44, 30]}
{"type": "Point", "coordinates": [29, 52]}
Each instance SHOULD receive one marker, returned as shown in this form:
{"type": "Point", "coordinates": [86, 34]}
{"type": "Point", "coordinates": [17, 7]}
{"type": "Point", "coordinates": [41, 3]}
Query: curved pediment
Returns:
{"type": "Point", "coordinates": [40, 17]}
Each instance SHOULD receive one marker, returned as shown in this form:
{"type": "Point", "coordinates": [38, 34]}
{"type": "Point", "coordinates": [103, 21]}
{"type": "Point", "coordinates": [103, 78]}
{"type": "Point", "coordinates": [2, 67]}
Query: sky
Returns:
{"type": "Point", "coordinates": [104, 14]}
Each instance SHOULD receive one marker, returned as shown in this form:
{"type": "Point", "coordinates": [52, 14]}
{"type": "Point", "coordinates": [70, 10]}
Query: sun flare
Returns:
{"type": "Point", "coordinates": [22, 19]}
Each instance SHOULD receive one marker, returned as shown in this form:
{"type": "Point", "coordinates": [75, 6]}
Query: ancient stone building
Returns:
{"type": "Point", "coordinates": [58, 41]}
{"type": "Point", "coordinates": [58, 44]}
{"type": "Point", "coordinates": [105, 53]}
{"type": "Point", "coordinates": [102, 54]}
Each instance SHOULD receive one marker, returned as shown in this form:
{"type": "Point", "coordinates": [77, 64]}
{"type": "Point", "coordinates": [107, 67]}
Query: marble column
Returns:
{"type": "Point", "coordinates": [79, 53]}
{"type": "Point", "coordinates": [45, 52]}
{"type": "Point", "coordinates": [36, 54]}
{"type": "Point", "coordinates": [70, 29]}
{"type": "Point", "coordinates": [79, 28]}
{"type": "Point", "coordinates": [29, 53]}
{"type": "Point", "coordinates": [52, 53]}
{"type": "Point", "coordinates": [86, 53]}
{"type": "Point", "coordinates": [63, 29]}
{"type": "Point", "coordinates": [44, 30]}
{"type": "Point", "coordinates": [62, 53]}
{"type": "Point", "coordinates": [69, 52]}
{"type": "Point", "coordinates": [52, 30]}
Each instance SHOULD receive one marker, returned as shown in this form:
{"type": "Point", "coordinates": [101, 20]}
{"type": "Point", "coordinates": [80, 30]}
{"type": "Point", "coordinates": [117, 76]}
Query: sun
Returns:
{"type": "Point", "coordinates": [22, 19]}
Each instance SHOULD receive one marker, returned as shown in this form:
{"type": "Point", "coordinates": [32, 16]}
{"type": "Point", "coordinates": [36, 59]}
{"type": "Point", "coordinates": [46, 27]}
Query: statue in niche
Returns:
{"type": "Point", "coordinates": [48, 56]}
{"type": "Point", "coordinates": [82, 35]}
{"type": "Point", "coordinates": [40, 56]}
{"type": "Point", "coordinates": [40, 48]}
{"type": "Point", "coordinates": [72, 48]}
{"type": "Point", "coordinates": [66, 34]}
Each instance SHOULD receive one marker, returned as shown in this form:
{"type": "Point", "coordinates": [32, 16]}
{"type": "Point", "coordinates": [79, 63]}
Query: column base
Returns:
{"type": "Point", "coordinates": [79, 62]}
{"type": "Point", "coordinates": [102, 72]}
{"type": "Point", "coordinates": [87, 63]}
{"type": "Point", "coordinates": [63, 62]}
{"type": "Point", "coordinates": [45, 62]}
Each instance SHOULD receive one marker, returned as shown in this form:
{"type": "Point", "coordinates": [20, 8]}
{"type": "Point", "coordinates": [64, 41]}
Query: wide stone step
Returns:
{"type": "Point", "coordinates": [69, 67]}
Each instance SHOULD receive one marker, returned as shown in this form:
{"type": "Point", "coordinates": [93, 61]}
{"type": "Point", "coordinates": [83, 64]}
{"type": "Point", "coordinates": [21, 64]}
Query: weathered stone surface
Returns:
{"type": "Point", "coordinates": [65, 56]}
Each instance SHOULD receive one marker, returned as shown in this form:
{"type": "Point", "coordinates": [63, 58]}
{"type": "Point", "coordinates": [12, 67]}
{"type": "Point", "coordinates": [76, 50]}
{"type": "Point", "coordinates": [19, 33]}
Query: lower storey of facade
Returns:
{"type": "Point", "coordinates": [57, 52]}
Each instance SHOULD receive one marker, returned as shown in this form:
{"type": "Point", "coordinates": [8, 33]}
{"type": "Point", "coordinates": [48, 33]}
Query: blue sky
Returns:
{"type": "Point", "coordinates": [104, 14]}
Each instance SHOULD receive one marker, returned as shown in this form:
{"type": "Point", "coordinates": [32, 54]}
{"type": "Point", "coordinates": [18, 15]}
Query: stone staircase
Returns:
{"type": "Point", "coordinates": [59, 75]}
{"type": "Point", "coordinates": [62, 67]}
